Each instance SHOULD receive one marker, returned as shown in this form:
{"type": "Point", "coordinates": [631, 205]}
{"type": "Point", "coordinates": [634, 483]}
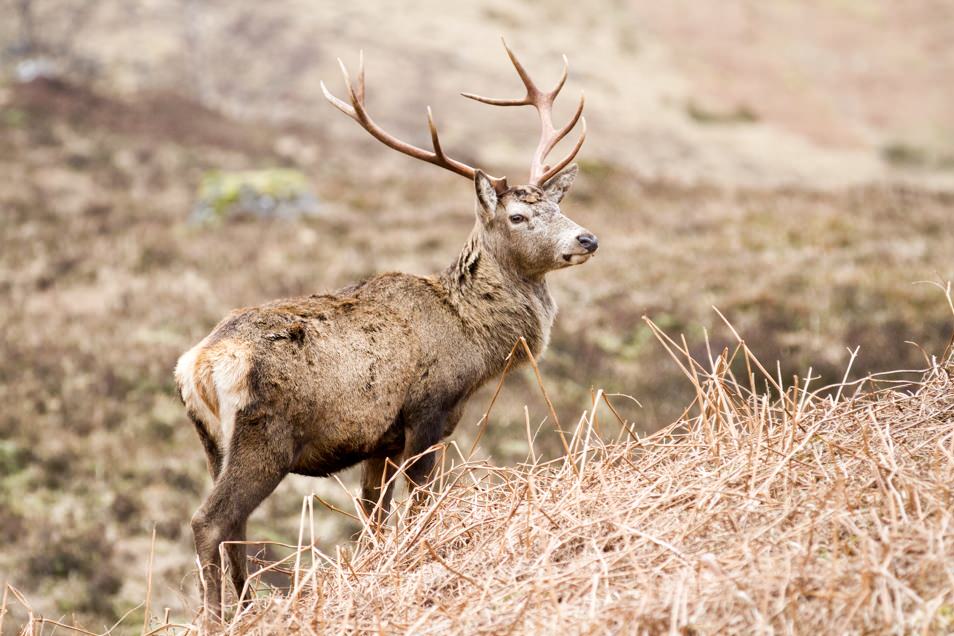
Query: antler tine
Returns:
{"type": "Point", "coordinates": [337, 103]}
{"type": "Point", "coordinates": [558, 135]}
{"type": "Point", "coordinates": [551, 172]}
{"type": "Point", "coordinates": [559, 86]}
{"type": "Point", "coordinates": [532, 90]}
{"type": "Point", "coordinates": [359, 92]}
{"type": "Point", "coordinates": [355, 105]}
{"type": "Point", "coordinates": [495, 101]}
{"type": "Point", "coordinates": [357, 111]}
{"type": "Point", "coordinates": [435, 139]}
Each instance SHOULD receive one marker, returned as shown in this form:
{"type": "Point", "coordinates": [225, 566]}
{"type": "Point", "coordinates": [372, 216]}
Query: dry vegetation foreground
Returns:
{"type": "Point", "coordinates": [766, 508]}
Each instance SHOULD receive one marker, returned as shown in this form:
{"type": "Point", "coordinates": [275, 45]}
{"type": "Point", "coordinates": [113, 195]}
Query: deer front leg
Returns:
{"type": "Point", "coordinates": [426, 431]}
{"type": "Point", "coordinates": [375, 473]}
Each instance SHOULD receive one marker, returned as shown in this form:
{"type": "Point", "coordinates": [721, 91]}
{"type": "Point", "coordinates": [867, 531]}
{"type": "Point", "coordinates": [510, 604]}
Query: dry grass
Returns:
{"type": "Point", "coordinates": [770, 506]}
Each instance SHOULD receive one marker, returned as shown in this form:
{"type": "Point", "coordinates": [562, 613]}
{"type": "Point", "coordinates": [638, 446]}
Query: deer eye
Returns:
{"type": "Point", "coordinates": [517, 218]}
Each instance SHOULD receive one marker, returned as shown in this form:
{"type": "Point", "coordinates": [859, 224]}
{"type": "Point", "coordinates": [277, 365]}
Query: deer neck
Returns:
{"type": "Point", "coordinates": [496, 304]}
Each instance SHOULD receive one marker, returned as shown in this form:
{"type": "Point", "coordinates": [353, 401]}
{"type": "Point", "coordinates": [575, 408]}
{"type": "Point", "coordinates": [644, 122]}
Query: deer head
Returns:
{"type": "Point", "coordinates": [522, 226]}
{"type": "Point", "coordinates": [524, 229]}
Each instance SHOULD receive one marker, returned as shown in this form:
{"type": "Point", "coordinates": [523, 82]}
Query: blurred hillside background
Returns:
{"type": "Point", "coordinates": [791, 163]}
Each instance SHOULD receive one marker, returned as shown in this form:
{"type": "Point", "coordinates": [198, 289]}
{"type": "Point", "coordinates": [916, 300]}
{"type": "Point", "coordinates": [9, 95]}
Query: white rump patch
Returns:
{"type": "Point", "coordinates": [185, 376]}
{"type": "Point", "coordinates": [230, 375]}
{"type": "Point", "coordinates": [222, 370]}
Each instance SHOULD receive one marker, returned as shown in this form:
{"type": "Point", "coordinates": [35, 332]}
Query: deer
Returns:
{"type": "Point", "coordinates": [378, 372]}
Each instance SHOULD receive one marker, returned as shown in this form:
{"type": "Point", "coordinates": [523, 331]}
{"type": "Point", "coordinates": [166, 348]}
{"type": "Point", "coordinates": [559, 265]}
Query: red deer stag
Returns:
{"type": "Point", "coordinates": [378, 371]}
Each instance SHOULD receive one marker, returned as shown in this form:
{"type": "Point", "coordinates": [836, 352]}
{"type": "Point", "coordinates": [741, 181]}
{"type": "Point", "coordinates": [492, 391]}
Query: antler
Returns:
{"type": "Point", "coordinates": [357, 111]}
{"type": "Point", "coordinates": [543, 102]}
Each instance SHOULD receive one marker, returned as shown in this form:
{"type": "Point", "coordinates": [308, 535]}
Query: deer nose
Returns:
{"type": "Point", "coordinates": [588, 241]}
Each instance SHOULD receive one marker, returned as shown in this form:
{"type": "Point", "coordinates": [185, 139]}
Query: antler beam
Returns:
{"type": "Point", "coordinates": [357, 111]}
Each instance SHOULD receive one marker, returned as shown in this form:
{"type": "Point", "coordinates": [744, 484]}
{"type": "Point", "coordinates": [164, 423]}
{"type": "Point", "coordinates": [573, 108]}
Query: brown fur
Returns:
{"type": "Point", "coordinates": [377, 372]}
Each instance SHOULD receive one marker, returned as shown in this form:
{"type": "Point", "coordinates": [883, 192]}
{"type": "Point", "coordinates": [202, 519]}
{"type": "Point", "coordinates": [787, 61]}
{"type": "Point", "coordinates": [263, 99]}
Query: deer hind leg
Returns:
{"type": "Point", "coordinates": [237, 566]}
{"type": "Point", "coordinates": [212, 451]}
{"type": "Point", "coordinates": [254, 466]}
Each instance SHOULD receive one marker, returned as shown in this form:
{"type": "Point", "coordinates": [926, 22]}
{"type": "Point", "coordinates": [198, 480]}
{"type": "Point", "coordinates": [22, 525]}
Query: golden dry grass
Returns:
{"type": "Point", "coordinates": [771, 506]}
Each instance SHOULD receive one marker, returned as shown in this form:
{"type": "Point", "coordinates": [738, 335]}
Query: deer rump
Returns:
{"type": "Point", "coordinates": [332, 374]}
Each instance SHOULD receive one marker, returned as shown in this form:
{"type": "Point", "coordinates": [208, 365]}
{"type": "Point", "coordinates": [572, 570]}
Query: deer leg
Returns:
{"type": "Point", "coordinates": [254, 467]}
{"type": "Point", "coordinates": [212, 451]}
{"type": "Point", "coordinates": [236, 554]}
{"type": "Point", "coordinates": [426, 432]}
{"type": "Point", "coordinates": [375, 472]}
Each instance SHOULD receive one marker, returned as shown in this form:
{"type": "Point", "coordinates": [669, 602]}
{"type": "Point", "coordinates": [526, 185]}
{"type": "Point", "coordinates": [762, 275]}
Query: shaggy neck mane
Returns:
{"type": "Point", "coordinates": [499, 305]}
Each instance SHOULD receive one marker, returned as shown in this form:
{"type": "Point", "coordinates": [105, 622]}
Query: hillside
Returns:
{"type": "Point", "coordinates": [754, 514]}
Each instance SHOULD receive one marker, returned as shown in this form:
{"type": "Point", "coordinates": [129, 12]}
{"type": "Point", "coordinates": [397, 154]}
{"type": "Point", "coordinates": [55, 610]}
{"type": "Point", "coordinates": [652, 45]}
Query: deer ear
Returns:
{"type": "Point", "coordinates": [486, 196]}
{"type": "Point", "coordinates": [556, 187]}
